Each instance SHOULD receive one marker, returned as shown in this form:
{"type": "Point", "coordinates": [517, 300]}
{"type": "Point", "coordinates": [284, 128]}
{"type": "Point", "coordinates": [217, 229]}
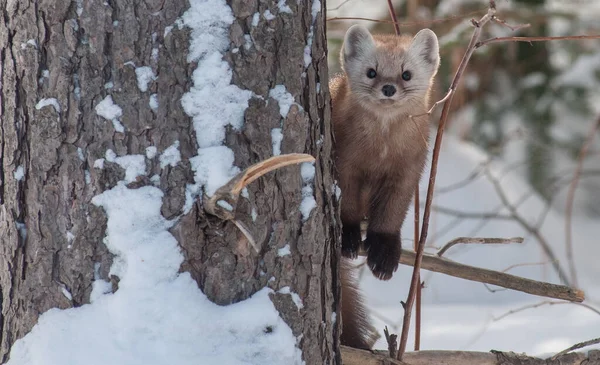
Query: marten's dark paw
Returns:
{"type": "Point", "coordinates": [384, 254]}
{"type": "Point", "coordinates": [350, 240]}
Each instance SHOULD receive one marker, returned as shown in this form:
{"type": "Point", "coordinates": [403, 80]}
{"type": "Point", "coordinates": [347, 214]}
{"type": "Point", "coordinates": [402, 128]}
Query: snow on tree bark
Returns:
{"type": "Point", "coordinates": [59, 60]}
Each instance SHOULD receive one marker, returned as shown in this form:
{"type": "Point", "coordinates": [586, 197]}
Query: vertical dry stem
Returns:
{"type": "Point", "coordinates": [415, 282]}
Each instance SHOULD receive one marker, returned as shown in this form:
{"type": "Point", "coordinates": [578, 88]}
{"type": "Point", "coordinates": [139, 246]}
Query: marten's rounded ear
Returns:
{"type": "Point", "coordinates": [358, 43]}
{"type": "Point", "coordinates": [425, 47]}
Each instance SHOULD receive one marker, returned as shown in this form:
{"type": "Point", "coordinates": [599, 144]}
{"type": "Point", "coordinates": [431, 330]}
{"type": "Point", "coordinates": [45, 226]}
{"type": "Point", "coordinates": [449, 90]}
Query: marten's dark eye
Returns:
{"type": "Point", "coordinates": [406, 75]}
{"type": "Point", "coordinates": [371, 73]}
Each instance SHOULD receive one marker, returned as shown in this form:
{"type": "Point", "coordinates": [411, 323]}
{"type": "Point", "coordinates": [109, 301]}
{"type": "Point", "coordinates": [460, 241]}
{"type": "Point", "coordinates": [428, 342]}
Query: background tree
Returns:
{"type": "Point", "coordinates": [59, 60]}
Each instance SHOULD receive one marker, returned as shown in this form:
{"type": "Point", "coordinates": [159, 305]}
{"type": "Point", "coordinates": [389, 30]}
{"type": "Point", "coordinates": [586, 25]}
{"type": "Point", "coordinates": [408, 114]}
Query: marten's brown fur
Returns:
{"type": "Point", "coordinates": [381, 136]}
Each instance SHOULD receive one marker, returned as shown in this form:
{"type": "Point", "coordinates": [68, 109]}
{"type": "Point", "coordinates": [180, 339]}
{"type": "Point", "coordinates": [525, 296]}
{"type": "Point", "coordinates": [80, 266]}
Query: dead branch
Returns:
{"type": "Point", "coordinates": [415, 280]}
{"type": "Point", "coordinates": [478, 240]}
{"type": "Point", "coordinates": [576, 347]}
{"type": "Point", "coordinates": [352, 356]}
{"type": "Point", "coordinates": [571, 197]}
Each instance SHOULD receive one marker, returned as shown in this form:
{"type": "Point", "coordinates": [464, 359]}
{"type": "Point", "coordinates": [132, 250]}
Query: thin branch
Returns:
{"type": "Point", "coordinates": [545, 302]}
{"type": "Point", "coordinates": [412, 24]}
{"type": "Point", "coordinates": [571, 197]}
{"type": "Point", "coordinates": [339, 6]}
{"type": "Point", "coordinates": [511, 27]}
{"type": "Point", "coordinates": [393, 16]}
{"type": "Point", "coordinates": [471, 215]}
{"type": "Point", "coordinates": [534, 39]}
{"type": "Point", "coordinates": [415, 281]}
{"type": "Point", "coordinates": [478, 240]}
{"type": "Point", "coordinates": [419, 289]}
{"type": "Point", "coordinates": [576, 347]}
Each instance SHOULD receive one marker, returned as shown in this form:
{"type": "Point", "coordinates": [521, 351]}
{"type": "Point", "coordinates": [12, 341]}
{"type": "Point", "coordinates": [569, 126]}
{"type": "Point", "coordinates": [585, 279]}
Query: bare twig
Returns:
{"type": "Point", "coordinates": [545, 302]}
{"type": "Point", "coordinates": [571, 197]}
{"type": "Point", "coordinates": [339, 6]}
{"type": "Point", "coordinates": [393, 16]}
{"type": "Point", "coordinates": [533, 39]}
{"type": "Point", "coordinates": [415, 281]}
{"type": "Point", "coordinates": [478, 240]}
{"type": "Point", "coordinates": [471, 215]}
{"type": "Point", "coordinates": [511, 27]}
{"type": "Point", "coordinates": [576, 347]}
{"type": "Point", "coordinates": [412, 24]}
{"type": "Point", "coordinates": [419, 289]}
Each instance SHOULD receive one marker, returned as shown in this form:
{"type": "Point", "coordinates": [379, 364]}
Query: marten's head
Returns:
{"type": "Point", "coordinates": [390, 72]}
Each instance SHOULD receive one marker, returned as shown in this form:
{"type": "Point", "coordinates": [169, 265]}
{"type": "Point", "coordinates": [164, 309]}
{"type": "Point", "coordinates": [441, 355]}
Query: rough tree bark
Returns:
{"type": "Point", "coordinates": [78, 52]}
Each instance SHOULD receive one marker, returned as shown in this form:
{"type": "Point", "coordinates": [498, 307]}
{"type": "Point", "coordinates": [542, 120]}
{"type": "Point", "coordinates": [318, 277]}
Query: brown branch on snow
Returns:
{"type": "Point", "coordinates": [352, 356]}
{"type": "Point", "coordinates": [471, 215]}
{"type": "Point", "coordinates": [571, 197]}
{"type": "Point", "coordinates": [415, 280]}
{"type": "Point", "coordinates": [478, 240]}
{"type": "Point", "coordinates": [576, 347]}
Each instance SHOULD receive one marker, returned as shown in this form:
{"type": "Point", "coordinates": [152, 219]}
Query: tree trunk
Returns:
{"type": "Point", "coordinates": [60, 59]}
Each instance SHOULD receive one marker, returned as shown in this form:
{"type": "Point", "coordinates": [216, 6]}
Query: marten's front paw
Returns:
{"type": "Point", "coordinates": [384, 254]}
{"type": "Point", "coordinates": [350, 240]}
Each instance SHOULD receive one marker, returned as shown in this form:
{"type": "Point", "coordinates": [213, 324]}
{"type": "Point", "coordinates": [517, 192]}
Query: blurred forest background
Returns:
{"type": "Point", "coordinates": [531, 104]}
{"type": "Point", "coordinates": [508, 167]}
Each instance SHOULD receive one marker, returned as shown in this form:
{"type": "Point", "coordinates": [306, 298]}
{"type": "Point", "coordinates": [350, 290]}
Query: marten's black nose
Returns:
{"type": "Point", "coordinates": [388, 90]}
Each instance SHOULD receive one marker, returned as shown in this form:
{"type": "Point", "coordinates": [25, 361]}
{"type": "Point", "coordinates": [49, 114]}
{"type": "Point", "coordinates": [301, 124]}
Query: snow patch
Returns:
{"type": "Point", "coordinates": [19, 173]}
{"type": "Point", "coordinates": [145, 76]}
{"type": "Point", "coordinates": [171, 156]}
{"type": "Point", "coordinates": [107, 109]}
{"type": "Point", "coordinates": [284, 99]}
{"type": "Point", "coordinates": [276, 138]}
{"type": "Point", "coordinates": [295, 297]}
{"type": "Point", "coordinates": [48, 102]}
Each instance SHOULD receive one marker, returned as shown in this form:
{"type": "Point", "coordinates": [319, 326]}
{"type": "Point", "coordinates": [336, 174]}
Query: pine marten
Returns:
{"type": "Point", "coordinates": [380, 150]}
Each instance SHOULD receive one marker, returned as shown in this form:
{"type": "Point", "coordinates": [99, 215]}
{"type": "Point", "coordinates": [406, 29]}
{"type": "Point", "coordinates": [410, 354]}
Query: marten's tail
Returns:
{"type": "Point", "coordinates": [357, 331]}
